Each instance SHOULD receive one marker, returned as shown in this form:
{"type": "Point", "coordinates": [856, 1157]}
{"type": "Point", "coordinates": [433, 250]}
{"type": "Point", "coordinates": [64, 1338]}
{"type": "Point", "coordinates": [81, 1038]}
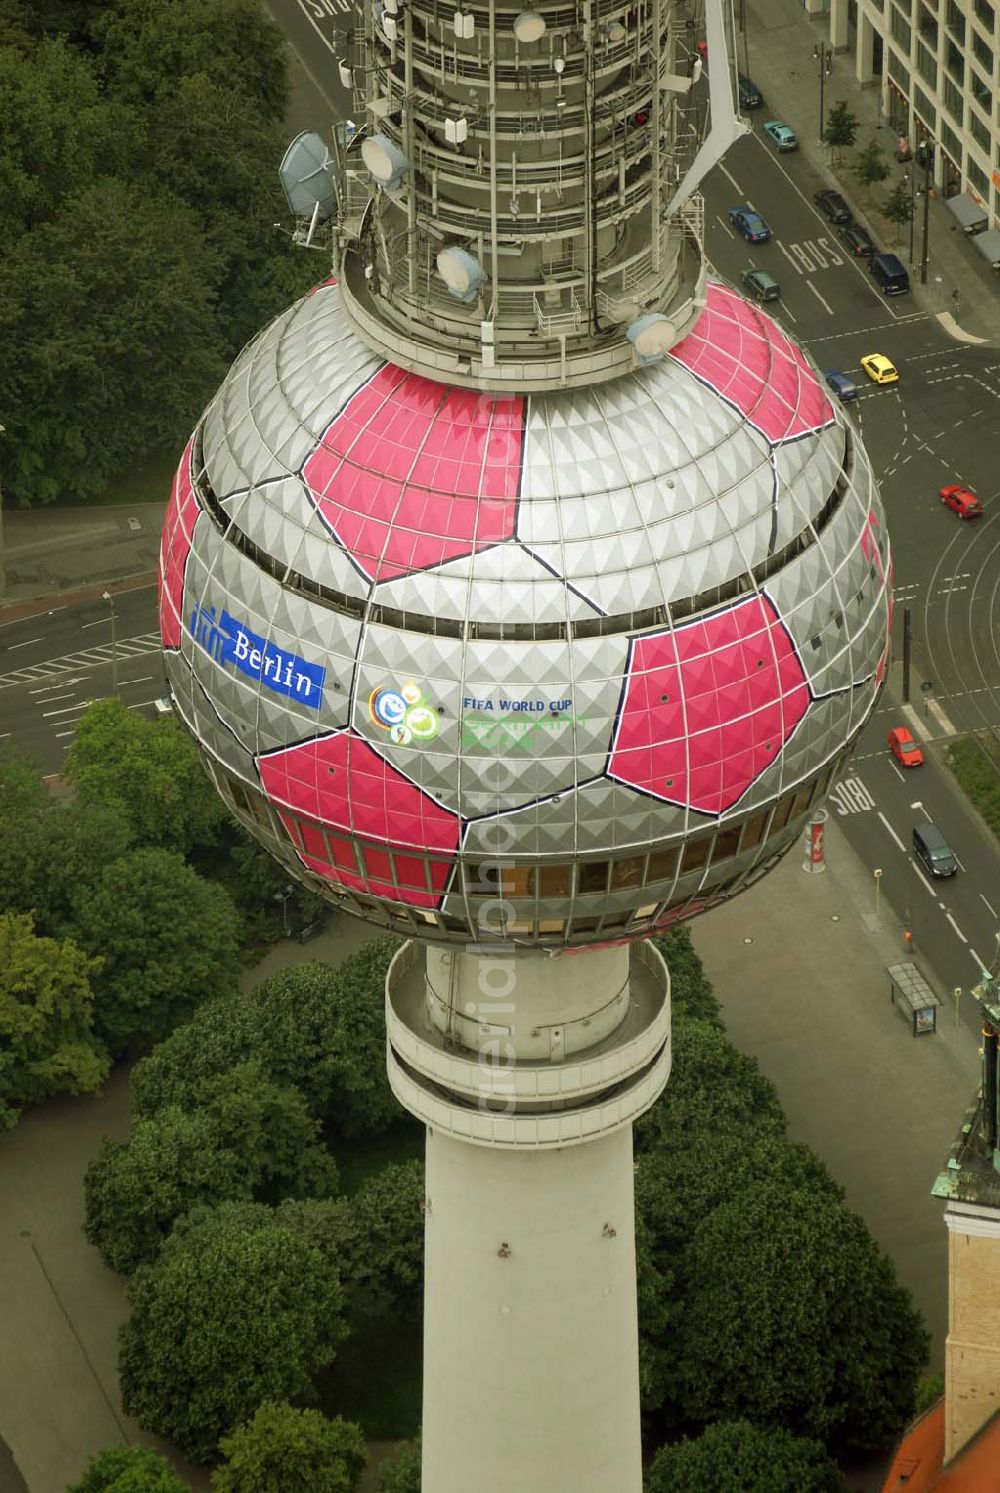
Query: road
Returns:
{"type": "Point", "coordinates": [53, 665]}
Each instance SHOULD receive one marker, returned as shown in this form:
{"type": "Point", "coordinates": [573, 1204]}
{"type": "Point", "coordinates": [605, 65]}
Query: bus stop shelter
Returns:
{"type": "Point", "coordinates": [909, 990]}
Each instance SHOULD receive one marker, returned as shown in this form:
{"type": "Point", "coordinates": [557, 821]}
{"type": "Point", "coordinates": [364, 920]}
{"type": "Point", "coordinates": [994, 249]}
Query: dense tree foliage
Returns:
{"type": "Point", "coordinates": [247, 1139]}
{"type": "Point", "coordinates": [401, 1474]}
{"type": "Point", "coordinates": [168, 940]}
{"type": "Point", "coordinates": [319, 1028]}
{"type": "Point", "coordinates": [770, 1258]}
{"type": "Point", "coordinates": [735, 1457]}
{"type": "Point", "coordinates": [383, 1258]}
{"type": "Point", "coordinates": [138, 194]}
{"type": "Point", "coordinates": [691, 993]}
{"type": "Point", "coordinates": [237, 1309]}
{"type": "Point", "coordinates": [47, 1042]}
{"type": "Point", "coordinates": [129, 1469]}
{"type": "Point", "coordinates": [151, 768]}
{"type": "Point", "coordinates": [284, 1450]}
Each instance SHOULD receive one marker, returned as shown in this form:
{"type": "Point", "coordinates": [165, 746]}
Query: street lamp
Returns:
{"type": "Point", "coordinates": [823, 55]}
{"type": "Point", "coordinates": [283, 897]}
{"type": "Point", "coordinates": [114, 649]}
{"type": "Point", "coordinates": [925, 154]}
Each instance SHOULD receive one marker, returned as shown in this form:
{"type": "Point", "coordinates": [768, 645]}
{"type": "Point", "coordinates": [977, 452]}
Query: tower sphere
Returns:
{"type": "Point", "coordinates": [559, 668]}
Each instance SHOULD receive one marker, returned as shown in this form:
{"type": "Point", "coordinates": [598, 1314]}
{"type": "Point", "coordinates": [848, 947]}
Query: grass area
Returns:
{"type": "Point", "coordinates": [978, 775]}
{"type": "Point", "coordinates": [403, 1142]}
{"type": "Point", "coordinates": [148, 483]}
{"type": "Point", "coordinates": [376, 1379]}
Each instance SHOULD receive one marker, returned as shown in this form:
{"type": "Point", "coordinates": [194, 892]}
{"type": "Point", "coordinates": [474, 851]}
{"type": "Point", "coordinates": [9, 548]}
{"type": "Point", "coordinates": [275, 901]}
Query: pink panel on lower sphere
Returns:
{"type": "Point", "coordinates": [342, 784]}
{"type": "Point", "coordinates": [708, 707]}
{"type": "Point", "coordinates": [175, 546]}
{"type": "Point", "coordinates": [739, 351]}
{"type": "Point", "coordinates": [411, 473]}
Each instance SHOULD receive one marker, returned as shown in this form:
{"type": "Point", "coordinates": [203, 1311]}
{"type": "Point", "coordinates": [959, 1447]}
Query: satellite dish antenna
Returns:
{"type": "Point", "coordinates": [529, 26]}
{"type": "Point", "coordinates": [384, 160]}
{"type": "Point", "coordinates": [652, 336]}
{"type": "Point", "coordinates": [307, 176]}
{"type": "Point", "coordinates": [461, 272]}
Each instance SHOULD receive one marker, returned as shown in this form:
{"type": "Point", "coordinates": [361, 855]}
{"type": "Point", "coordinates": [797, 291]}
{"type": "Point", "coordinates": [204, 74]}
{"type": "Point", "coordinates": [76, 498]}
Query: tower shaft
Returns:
{"type": "Point", "coordinates": [529, 1074]}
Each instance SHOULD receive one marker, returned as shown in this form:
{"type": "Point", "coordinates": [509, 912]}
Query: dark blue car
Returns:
{"type": "Point", "coordinates": [750, 224]}
{"type": "Point", "coordinates": [844, 387]}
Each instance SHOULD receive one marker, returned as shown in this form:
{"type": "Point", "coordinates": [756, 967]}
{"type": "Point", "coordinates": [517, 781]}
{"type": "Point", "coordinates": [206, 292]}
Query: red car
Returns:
{"type": "Point", "coordinates": [904, 748]}
{"type": "Point", "coordinates": [961, 501]}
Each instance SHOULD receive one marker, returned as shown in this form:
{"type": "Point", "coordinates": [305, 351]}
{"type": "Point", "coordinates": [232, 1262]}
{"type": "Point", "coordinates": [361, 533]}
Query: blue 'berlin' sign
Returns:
{"type": "Point", "coordinates": [231, 642]}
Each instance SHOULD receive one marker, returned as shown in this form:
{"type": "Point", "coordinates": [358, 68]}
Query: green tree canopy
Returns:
{"type": "Point", "coordinates": [284, 1450]}
{"type": "Point", "coordinates": [151, 767]}
{"type": "Point", "coordinates": [736, 1457]}
{"type": "Point", "coordinates": [841, 128]}
{"type": "Point", "coordinates": [712, 1085]}
{"type": "Point", "coordinates": [313, 1026]}
{"type": "Point", "coordinates": [871, 166]}
{"type": "Point", "coordinates": [798, 1320]}
{"type": "Point", "coordinates": [246, 1140]}
{"type": "Point", "coordinates": [129, 1469]}
{"type": "Point", "coordinates": [898, 206]}
{"type": "Point", "coordinates": [169, 939]}
{"type": "Point", "coordinates": [401, 1473]}
{"type": "Point", "coordinates": [47, 1043]}
{"type": "Point", "coordinates": [148, 50]}
{"type": "Point", "coordinates": [383, 1258]}
{"type": "Point", "coordinates": [691, 993]}
{"type": "Point", "coordinates": [236, 1310]}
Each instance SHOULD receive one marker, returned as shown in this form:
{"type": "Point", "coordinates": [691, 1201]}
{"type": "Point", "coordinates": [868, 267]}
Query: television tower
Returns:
{"type": "Point", "coordinates": [524, 592]}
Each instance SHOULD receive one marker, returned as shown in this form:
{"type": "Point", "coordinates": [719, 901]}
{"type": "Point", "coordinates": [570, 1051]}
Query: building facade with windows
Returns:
{"type": "Point", "coordinates": [936, 63]}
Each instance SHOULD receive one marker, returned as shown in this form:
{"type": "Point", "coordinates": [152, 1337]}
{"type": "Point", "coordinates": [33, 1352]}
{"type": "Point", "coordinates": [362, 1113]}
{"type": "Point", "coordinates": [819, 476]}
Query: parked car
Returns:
{"type": "Point", "coordinates": [749, 93]}
{"type": "Point", "coordinates": [880, 369]}
{"type": "Point", "coordinates": [833, 206]}
{"type": "Point", "coordinates": [933, 851]}
{"type": "Point", "coordinates": [842, 384]}
{"type": "Point", "coordinates": [904, 748]}
{"type": "Point", "coordinates": [858, 241]}
{"type": "Point", "coordinates": [890, 274]}
{"type": "Point", "coordinates": [961, 501]}
{"type": "Point", "coordinates": [782, 135]}
{"type": "Point", "coordinates": [761, 285]}
{"type": "Point", "coordinates": [750, 224]}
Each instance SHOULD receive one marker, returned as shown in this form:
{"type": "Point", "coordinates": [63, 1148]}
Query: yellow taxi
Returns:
{"type": "Point", "coordinates": [879, 368]}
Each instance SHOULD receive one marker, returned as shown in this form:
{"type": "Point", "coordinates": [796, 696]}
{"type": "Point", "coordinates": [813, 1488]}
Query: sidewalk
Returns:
{"type": "Point", "coordinates": [65, 555]}
{"type": "Point", "coordinates": [798, 963]}
{"type": "Point", "coordinates": [781, 40]}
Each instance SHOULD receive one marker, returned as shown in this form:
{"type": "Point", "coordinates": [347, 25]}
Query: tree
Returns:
{"type": "Point", "coordinates": [129, 1469]}
{"type": "Point", "coordinates": [47, 1042]}
{"type": "Point", "coordinates": [383, 1255]}
{"type": "Point", "coordinates": [798, 1320]}
{"type": "Point", "coordinates": [153, 769]}
{"type": "Point", "coordinates": [691, 994]}
{"type": "Point", "coordinates": [236, 1310]}
{"type": "Point", "coordinates": [169, 940]}
{"type": "Point", "coordinates": [898, 206]}
{"type": "Point", "coordinates": [841, 128]}
{"type": "Point", "coordinates": [871, 166]}
{"type": "Point", "coordinates": [112, 345]}
{"type": "Point", "coordinates": [248, 1140]}
{"type": "Point", "coordinates": [736, 1457]}
{"type": "Point", "coordinates": [284, 1450]}
{"type": "Point", "coordinates": [712, 1084]}
{"type": "Point", "coordinates": [148, 50]}
{"type": "Point", "coordinates": [401, 1474]}
{"type": "Point", "coordinates": [318, 1028]}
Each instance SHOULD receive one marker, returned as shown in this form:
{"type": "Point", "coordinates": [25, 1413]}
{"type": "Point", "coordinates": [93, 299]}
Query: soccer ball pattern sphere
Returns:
{"type": "Point", "coordinates": [556, 669]}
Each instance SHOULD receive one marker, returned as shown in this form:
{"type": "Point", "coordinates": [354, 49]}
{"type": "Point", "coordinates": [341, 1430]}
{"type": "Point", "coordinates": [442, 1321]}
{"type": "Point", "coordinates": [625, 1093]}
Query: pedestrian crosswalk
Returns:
{"type": "Point", "coordinates": [87, 658]}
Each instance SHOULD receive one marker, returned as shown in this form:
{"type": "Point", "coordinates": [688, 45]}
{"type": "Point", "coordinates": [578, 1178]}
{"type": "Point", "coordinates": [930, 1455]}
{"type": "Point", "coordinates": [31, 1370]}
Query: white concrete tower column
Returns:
{"type": "Point", "coordinates": [529, 1073]}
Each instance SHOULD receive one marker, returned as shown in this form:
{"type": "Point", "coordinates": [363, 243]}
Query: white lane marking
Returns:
{"type": "Point", "coordinates": [88, 658]}
{"type": "Point", "coordinates": [66, 709]}
{"type": "Point", "coordinates": [43, 689]}
{"type": "Point", "coordinates": [951, 920]}
{"type": "Point", "coordinates": [981, 962]}
{"type": "Point", "coordinates": [101, 622]}
{"type": "Point", "coordinates": [26, 644]}
{"type": "Point", "coordinates": [958, 862]}
{"type": "Point", "coordinates": [824, 303]}
{"type": "Point", "coordinates": [992, 909]}
{"type": "Point", "coordinates": [897, 770]}
{"type": "Point", "coordinates": [917, 871]}
{"type": "Point", "coordinates": [892, 831]}
{"type": "Point", "coordinates": [730, 177]}
{"type": "Point", "coordinates": [723, 224]}
{"type": "Point", "coordinates": [58, 734]}
{"type": "Point", "coordinates": [143, 679]}
{"type": "Point", "coordinates": [51, 699]}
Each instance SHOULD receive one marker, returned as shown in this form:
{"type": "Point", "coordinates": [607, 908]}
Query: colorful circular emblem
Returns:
{"type": "Point", "coordinates": [402, 713]}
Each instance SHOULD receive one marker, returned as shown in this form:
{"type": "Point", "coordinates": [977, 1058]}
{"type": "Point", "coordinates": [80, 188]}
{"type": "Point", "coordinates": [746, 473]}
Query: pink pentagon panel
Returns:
{"type": "Point", "coordinates": [175, 546]}
{"type": "Point", "coordinates": [740, 353]}
{"type": "Point", "coordinates": [411, 473]}
{"type": "Point", "coordinates": [708, 706]}
{"type": "Point", "coordinates": [340, 783]}
{"type": "Point", "coordinates": [323, 285]}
